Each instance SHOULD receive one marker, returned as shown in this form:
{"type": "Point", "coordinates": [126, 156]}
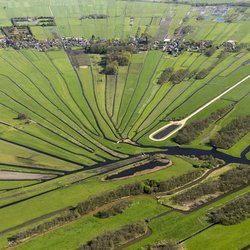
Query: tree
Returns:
{"type": "Point", "coordinates": [202, 74]}
{"type": "Point", "coordinates": [165, 75]}
{"type": "Point", "coordinates": [209, 52]}
{"type": "Point", "coordinates": [112, 68]}
{"type": "Point", "coordinates": [22, 116]}
{"type": "Point", "coordinates": [178, 76]}
{"type": "Point", "coordinates": [123, 58]}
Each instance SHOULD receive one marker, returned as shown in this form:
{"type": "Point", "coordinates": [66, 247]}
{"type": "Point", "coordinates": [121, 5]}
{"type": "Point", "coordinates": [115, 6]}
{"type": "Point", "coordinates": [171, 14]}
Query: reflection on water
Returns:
{"type": "Point", "coordinates": [165, 131]}
{"type": "Point", "coordinates": [132, 171]}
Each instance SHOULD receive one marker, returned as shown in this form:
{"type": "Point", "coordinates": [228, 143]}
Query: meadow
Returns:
{"type": "Point", "coordinates": [80, 125]}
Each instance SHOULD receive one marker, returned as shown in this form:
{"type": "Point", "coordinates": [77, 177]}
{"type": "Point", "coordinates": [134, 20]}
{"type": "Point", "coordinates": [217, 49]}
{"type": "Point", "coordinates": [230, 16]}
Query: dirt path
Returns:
{"type": "Point", "coordinates": [9, 175]}
{"type": "Point", "coordinates": [182, 122]}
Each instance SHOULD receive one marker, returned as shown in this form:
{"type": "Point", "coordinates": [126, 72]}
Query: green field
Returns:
{"type": "Point", "coordinates": [81, 124]}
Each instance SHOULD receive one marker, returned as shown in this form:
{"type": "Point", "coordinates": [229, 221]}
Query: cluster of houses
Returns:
{"type": "Point", "coordinates": [29, 42]}
{"type": "Point", "coordinates": [171, 46]}
{"type": "Point", "coordinates": [43, 45]}
{"type": "Point", "coordinates": [175, 46]}
{"type": "Point", "coordinates": [69, 42]}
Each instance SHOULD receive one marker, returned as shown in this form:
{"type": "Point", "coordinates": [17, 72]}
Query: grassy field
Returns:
{"type": "Point", "coordinates": [237, 237]}
{"type": "Point", "coordinates": [77, 119]}
{"type": "Point", "coordinates": [174, 226]}
{"type": "Point", "coordinates": [177, 226]}
{"type": "Point", "coordinates": [95, 226]}
{"type": "Point", "coordinates": [19, 213]}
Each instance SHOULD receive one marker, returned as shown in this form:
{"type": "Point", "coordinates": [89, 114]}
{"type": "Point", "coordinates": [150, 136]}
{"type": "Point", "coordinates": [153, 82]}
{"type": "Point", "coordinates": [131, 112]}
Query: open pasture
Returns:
{"type": "Point", "coordinates": [66, 123]}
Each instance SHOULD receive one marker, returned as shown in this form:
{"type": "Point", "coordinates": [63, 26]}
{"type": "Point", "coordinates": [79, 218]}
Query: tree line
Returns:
{"type": "Point", "coordinates": [118, 208]}
{"type": "Point", "coordinates": [226, 182]}
{"type": "Point", "coordinates": [232, 213]}
{"type": "Point", "coordinates": [163, 245]}
{"type": "Point", "coordinates": [175, 77]}
{"type": "Point", "coordinates": [81, 209]}
{"type": "Point", "coordinates": [94, 16]}
{"type": "Point", "coordinates": [89, 205]}
{"type": "Point", "coordinates": [194, 129]}
{"type": "Point", "coordinates": [231, 133]}
{"type": "Point", "coordinates": [208, 161]}
{"type": "Point", "coordinates": [116, 238]}
{"type": "Point", "coordinates": [97, 46]}
{"type": "Point", "coordinates": [154, 186]}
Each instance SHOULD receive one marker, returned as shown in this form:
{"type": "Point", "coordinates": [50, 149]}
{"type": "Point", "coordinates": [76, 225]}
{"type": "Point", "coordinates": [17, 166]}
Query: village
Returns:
{"type": "Point", "coordinates": [20, 37]}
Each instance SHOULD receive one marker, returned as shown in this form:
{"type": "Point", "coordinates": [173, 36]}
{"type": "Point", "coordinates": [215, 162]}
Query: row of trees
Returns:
{"type": "Point", "coordinates": [208, 161]}
{"type": "Point", "coordinates": [198, 75]}
{"type": "Point", "coordinates": [163, 245]}
{"type": "Point", "coordinates": [226, 182]}
{"type": "Point", "coordinates": [94, 16]}
{"type": "Point", "coordinates": [174, 77]}
{"type": "Point", "coordinates": [194, 129]}
{"type": "Point", "coordinates": [201, 74]}
{"type": "Point", "coordinates": [89, 205]}
{"type": "Point", "coordinates": [183, 30]}
{"type": "Point", "coordinates": [233, 212]}
{"type": "Point", "coordinates": [123, 191]}
{"type": "Point", "coordinates": [81, 209]}
{"type": "Point", "coordinates": [68, 216]}
{"type": "Point", "coordinates": [179, 76]}
{"type": "Point", "coordinates": [117, 208]}
{"type": "Point", "coordinates": [165, 75]}
{"type": "Point", "coordinates": [232, 133]}
{"type": "Point", "coordinates": [114, 239]}
{"type": "Point", "coordinates": [108, 46]}
{"type": "Point", "coordinates": [155, 186]}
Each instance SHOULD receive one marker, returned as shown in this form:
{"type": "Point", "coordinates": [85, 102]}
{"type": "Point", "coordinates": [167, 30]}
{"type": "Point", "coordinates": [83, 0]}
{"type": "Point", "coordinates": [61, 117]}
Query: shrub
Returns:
{"type": "Point", "coordinates": [232, 133]}
{"type": "Point", "coordinates": [202, 74]}
{"type": "Point", "coordinates": [165, 75]}
{"type": "Point", "coordinates": [226, 182]}
{"type": "Point", "coordinates": [179, 76]}
{"type": "Point", "coordinates": [112, 68]}
{"type": "Point", "coordinates": [22, 116]}
{"type": "Point", "coordinates": [192, 130]}
{"type": "Point", "coordinates": [232, 213]}
{"type": "Point", "coordinates": [118, 208]}
{"type": "Point", "coordinates": [113, 239]}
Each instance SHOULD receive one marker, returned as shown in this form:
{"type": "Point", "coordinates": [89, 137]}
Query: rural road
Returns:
{"type": "Point", "coordinates": [179, 124]}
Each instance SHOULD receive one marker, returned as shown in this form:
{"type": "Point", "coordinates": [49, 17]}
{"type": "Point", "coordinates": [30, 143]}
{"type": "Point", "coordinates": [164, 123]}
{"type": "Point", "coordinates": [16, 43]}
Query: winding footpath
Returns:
{"type": "Point", "coordinates": [177, 125]}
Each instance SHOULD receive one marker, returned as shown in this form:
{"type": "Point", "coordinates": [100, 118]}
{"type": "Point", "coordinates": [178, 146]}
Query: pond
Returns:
{"type": "Point", "coordinates": [131, 171]}
{"type": "Point", "coordinates": [161, 134]}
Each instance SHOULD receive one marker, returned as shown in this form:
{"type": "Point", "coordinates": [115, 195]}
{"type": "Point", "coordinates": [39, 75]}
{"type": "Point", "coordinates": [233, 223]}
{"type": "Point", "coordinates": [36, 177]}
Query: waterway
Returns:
{"type": "Point", "coordinates": [199, 152]}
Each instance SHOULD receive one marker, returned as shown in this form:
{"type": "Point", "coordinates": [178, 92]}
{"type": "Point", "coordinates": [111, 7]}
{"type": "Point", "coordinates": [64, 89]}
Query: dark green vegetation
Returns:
{"type": "Point", "coordinates": [226, 182]}
{"type": "Point", "coordinates": [163, 245]}
{"type": "Point", "coordinates": [165, 75]}
{"type": "Point", "coordinates": [194, 129]}
{"type": "Point", "coordinates": [113, 239]}
{"type": "Point", "coordinates": [115, 209]}
{"type": "Point", "coordinates": [232, 213]}
{"type": "Point", "coordinates": [168, 185]}
{"type": "Point", "coordinates": [232, 133]}
{"type": "Point", "coordinates": [82, 114]}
